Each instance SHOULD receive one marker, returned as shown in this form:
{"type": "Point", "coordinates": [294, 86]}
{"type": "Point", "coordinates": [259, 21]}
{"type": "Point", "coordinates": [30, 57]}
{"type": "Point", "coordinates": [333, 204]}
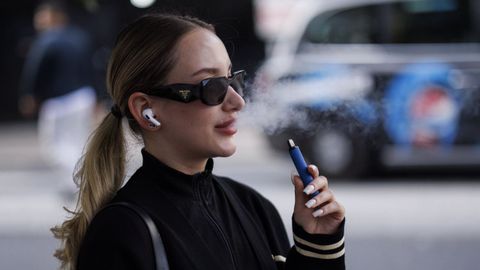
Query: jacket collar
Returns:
{"type": "Point", "coordinates": [173, 181]}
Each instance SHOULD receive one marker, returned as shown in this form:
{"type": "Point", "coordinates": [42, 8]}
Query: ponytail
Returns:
{"type": "Point", "coordinates": [99, 176]}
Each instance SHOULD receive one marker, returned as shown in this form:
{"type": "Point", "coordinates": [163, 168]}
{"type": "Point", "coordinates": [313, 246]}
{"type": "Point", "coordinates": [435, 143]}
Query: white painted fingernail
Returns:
{"type": "Point", "coordinates": [310, 203]}
{"type": "Point", "coordinates": [308, 189]}
{"type": "Point", "coordinates": [318, 213]}
{"type": "Point", "coordinates": [292, 177]}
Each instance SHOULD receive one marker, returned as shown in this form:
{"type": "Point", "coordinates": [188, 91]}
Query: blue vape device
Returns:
{"type": "Point", "coordinates": [300, 164]}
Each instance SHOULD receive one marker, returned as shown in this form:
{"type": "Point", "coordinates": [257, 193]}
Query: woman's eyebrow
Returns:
{"type": "Point", "coordinates": [212, 71]}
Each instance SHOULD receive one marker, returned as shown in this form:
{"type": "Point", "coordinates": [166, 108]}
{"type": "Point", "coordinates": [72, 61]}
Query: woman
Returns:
{"type": "Point", "coordinates": [155, 78]}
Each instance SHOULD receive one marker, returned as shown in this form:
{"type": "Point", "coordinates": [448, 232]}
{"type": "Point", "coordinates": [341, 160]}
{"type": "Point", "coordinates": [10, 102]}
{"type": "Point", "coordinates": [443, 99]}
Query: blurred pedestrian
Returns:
{"type": "Point", "coordinates": [57, 83]}
{"type": "Point", "coordinates": [170, 78]}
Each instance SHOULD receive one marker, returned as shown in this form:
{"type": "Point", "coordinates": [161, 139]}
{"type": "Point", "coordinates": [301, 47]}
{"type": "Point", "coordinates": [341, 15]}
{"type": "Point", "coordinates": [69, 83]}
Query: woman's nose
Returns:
{"type": "Point", "coordinates": [233, 101]}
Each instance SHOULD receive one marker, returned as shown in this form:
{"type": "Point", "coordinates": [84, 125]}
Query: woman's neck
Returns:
{"type": "Point", "coordinates": [175, 160]}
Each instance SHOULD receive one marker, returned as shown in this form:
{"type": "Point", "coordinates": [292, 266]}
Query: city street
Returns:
{"type": "Point", "coordinates": [420, 223]}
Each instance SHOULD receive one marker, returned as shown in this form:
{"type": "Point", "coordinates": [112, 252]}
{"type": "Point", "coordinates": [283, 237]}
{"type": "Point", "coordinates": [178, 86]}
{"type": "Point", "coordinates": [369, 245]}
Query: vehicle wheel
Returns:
{"type": "Point", "coordinates": [339, 154]}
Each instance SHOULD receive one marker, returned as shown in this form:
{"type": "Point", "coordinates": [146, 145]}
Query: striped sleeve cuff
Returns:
{"type": "Point", "coordinates": [319, 246]}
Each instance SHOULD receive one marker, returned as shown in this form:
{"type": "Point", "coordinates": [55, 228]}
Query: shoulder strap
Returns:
{"type": "Point", "coordinates": [161, 261]}
{"type": "Point", "coordinates": [260, 246]}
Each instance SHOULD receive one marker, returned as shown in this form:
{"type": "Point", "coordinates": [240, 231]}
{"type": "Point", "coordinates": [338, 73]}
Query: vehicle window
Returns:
{"type": "Point", "coordinates": [427, 21]}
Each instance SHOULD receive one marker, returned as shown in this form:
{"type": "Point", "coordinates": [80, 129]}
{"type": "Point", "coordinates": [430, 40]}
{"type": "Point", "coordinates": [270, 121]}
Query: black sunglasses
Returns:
{"type": "Point", "coordinates": [211, 91]}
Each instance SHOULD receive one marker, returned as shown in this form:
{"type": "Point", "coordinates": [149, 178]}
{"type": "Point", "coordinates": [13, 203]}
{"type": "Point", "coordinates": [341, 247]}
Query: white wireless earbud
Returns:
{"type": "Point", "coordinates": [148, 114]}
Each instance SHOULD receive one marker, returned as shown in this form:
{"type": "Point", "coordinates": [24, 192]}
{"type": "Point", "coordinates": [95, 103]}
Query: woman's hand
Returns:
{"type": "Point", "coordinates": [321, 214]}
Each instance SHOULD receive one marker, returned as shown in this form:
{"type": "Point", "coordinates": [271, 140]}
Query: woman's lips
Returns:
{"type": "Point", "coordinates": [227, 127]}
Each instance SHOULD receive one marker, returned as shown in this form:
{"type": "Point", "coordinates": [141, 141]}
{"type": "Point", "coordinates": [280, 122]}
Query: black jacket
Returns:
{"type": "Point", "coordinates": [205, 224]}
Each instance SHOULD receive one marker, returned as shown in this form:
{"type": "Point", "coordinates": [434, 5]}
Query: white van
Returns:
{"type": "Point", "coordinates": [389, 84]}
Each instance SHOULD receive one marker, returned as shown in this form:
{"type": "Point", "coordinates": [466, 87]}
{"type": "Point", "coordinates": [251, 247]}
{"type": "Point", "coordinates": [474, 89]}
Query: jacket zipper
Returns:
{"type": "Point", "coordinates": [219, 229]}
{"type": "Point", "coordinates": [222, 234]}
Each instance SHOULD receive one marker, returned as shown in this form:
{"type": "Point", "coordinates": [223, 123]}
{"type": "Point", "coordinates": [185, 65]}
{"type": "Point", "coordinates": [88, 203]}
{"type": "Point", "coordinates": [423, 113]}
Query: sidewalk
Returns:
{"type": "Point", "coordinates": [29, 199]}
{"type": "Point", "coordinates": [19, 148]}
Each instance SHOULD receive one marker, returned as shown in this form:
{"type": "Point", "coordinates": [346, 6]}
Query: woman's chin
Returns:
{"type": "Point", "coordinates": [227, 151]}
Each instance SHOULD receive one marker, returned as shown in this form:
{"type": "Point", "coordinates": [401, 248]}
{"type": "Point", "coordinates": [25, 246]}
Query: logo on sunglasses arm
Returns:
{"type": "Point", "coordinates": [185, 94]}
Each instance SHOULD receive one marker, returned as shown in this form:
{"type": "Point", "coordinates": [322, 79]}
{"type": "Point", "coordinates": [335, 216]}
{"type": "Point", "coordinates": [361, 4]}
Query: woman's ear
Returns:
{"type": "Point", "coordinates": [137, 103]}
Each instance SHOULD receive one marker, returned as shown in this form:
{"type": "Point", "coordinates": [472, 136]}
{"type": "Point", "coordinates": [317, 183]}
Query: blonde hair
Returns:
{"type": "Point", "coordinates": [142, 57]}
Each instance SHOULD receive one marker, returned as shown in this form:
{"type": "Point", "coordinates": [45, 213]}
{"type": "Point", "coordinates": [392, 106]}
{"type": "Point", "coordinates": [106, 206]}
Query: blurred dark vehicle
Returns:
{"type": "Point", "coordinates": [386, 84]}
